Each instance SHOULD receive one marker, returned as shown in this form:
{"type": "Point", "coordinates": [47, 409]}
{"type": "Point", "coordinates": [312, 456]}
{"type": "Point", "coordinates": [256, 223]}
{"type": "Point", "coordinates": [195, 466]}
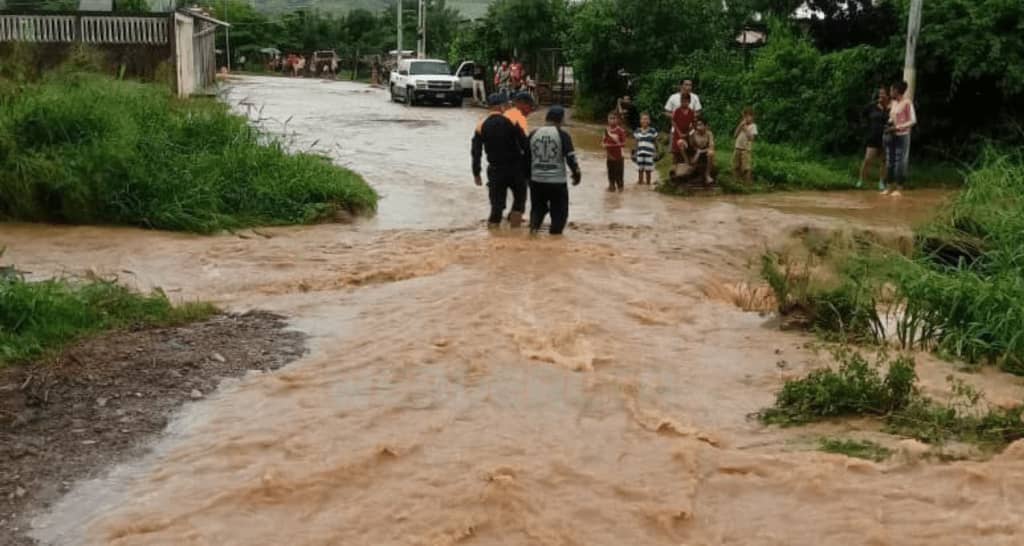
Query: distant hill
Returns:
{"type": "Point", "coordinates": [469, 8]}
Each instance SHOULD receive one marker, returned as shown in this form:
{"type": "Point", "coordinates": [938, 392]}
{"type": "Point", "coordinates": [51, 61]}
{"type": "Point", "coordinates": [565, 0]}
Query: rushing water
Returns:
{"type": "Point", "coordinates": [476, 387]}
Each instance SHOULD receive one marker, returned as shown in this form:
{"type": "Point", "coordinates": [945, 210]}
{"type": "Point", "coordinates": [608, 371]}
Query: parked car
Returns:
{"type": "Point", "coordinates": [425, 80]}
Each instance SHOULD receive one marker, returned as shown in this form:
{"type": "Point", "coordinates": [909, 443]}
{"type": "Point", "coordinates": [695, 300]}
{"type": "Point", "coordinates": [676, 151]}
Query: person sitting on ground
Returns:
{"type": "Point", "coordinates": [742, 155]}
{"type": "Point", "coordinates": [682, 124]}
{"type": "Point", "coordinates": [646, 149]}
{"type": "Point", "coordinates": [628, 112]}
{"type": "Point", "coordinates": [506, 147]}
{"type": "Point", "coordinates": [876, 115]}
{"type": "Point", "coordinates": [614, 140]}
{"type": "Point", "coordinates": [702, 146]}
{"type": "Point", "coordinates": [550, 150]}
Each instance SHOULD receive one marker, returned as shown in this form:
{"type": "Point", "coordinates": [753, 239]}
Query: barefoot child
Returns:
{"type": "Point", "coordinates": [702, 143]}
{"type": "Point", "coordinates": [646, 148]}
{"type": "Point", "coordinates": [742, 160]}
{"type": "Point", "coordinates": [613, 142]}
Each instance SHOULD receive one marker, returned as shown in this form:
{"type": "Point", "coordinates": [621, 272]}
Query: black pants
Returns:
{"type": "Point", "coordinates": [616, 174]}
{"type": "Point", "coordinates": [499, 183]}
{"type": "Point", "coordinates": [546, 197]}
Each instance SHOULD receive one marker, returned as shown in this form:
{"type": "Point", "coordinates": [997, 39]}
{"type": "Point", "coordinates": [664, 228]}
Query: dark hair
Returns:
{"type": "Point", "coordinates": [901, 86]}
{"type": "Point", "coordinates": [614, 114]}
{"type": "Point", "coordinates": [748, 110]}
{"type": "Point", "coordinates": [684, 98]}
{"type": "Point", "coordinates": [684, 80]}
{"type": "Point", "coordinates": [645, 113]}
{"type": "Point", "coordinates": [701, 118]}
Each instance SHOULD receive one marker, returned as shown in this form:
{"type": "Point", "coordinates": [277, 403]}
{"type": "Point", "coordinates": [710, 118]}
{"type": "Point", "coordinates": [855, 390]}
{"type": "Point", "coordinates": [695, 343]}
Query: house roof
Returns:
{"type": "Point", "coordinates": [203, 17]}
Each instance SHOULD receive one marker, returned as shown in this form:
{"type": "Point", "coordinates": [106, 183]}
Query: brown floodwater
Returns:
{"type": "Point", "coordinates": [467, 386]}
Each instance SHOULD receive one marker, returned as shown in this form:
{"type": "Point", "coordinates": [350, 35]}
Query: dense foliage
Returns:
{"type": "Point", "coordinates": [83, 148]}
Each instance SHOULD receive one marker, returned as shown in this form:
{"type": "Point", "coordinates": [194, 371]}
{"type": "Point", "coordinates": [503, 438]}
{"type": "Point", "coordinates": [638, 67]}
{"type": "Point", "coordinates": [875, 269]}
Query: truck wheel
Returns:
{"type": "Point", "coordinates": [410, 96]}
{"type": "Point", "coordinates": [393, 97]}
{"type": "Point", "coordinates": [457, 102]}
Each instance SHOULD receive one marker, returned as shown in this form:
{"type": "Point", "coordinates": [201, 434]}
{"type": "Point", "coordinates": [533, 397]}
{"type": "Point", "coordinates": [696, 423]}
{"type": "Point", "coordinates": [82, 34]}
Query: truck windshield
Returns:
{"type": "Point", "coordinates": [429, 69]}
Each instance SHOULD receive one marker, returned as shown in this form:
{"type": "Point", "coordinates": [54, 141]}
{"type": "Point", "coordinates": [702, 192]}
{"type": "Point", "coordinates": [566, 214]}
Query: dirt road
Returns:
{"type": "Point", "coordinates": [475, 387]}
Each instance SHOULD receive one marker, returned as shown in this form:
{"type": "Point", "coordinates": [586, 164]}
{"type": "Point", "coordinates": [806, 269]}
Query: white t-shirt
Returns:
{"type": "Point", "coordinates": [675, 100]}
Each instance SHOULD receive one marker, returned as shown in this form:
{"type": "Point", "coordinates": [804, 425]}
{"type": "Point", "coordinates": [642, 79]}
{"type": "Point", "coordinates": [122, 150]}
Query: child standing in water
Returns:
{"type": "Point", "coordinates": [646, 149]}
{"type": "Point", "coordinates": [742, 155]}
{"type": "Point", "coordinates": [614, 140]}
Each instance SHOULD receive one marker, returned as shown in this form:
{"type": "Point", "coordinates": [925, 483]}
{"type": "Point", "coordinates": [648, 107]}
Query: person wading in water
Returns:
{"type": "Point", "coordinates": [506, 146]}
{"type": "Point", "coordinates": [550, 150]}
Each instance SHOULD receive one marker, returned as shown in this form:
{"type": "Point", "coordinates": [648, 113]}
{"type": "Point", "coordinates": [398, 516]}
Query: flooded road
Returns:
{"type": "Point", "coordinates": [475, 387]}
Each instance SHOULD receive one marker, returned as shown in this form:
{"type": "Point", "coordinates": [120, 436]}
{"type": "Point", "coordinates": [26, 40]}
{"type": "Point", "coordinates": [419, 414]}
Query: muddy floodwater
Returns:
{"type": "Point", "coordinates": [486, 388]}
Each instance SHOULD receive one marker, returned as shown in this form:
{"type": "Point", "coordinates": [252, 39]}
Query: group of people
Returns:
{"type": "Point", "coordinates": [534, 163]}
{"type": "Point", "coordinates": [511, 78]}
{"type": "Point", "coordinates": [525, 162]}
{"type": "Point", "coordinates": [889, 121]}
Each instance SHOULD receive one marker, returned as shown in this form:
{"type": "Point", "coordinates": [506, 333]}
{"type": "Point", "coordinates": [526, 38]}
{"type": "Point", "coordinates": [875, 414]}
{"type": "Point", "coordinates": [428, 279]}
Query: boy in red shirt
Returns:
{"type": "Point", "coordinates": [682, 123]}
{"type": "Point", "coordinates": [613, 142]}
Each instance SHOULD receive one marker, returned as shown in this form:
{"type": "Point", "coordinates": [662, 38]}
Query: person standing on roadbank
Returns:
{"type": "Point", "coordinates": [506, 147]}
{"type": "Point", "coordinates": [550, 150]}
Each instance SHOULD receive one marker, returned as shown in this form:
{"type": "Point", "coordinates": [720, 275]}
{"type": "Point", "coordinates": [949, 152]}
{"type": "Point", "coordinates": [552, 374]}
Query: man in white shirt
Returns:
{"type": "Point", "coordinates": [673, 103]}
{"type": "Point", "coordinates": [685, 86]}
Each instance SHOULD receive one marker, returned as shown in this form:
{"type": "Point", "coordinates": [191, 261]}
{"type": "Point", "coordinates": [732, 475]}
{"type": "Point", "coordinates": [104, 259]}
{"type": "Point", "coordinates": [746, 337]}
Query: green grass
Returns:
{"type": "Point", "coordinates": [40, 317]}
{"type": "Point", "coordinates": [781, 167]}
{"type": "Point", "coordinates": [857, 388]}
{"type": "Point", "coordinates": [860, 449]}
{"type": "Point", "coordinates": [82, 148]}
{"type": "Point", "coordinates": [958, 291]}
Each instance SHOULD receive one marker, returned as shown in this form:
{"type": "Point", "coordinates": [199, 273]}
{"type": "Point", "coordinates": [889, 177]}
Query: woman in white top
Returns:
{"type": "Point", "coordinates": [902, 119]}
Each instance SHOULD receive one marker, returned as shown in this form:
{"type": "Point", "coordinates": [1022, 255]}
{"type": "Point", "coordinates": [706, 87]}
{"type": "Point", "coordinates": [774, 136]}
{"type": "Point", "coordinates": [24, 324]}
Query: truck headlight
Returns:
{"type": "Point", "coordinates": [457, 86]}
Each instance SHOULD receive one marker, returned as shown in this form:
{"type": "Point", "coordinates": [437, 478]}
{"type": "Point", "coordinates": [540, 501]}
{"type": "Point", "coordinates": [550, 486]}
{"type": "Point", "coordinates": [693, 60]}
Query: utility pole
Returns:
{"type": "Point", "coordinates": [398, 52]}
{"type": "Point", "coordinates": [227, 36]}
{"type": "Point", "coordinates": [421, 31]}
{"type": "Point", "coordinates": [913, 29]}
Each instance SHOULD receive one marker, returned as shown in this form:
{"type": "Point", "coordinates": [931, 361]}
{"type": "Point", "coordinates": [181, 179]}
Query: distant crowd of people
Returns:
{"type": "Point", "coordinates": [534, 163]}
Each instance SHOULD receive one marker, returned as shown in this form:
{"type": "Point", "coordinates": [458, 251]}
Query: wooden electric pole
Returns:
{"type": "Point", "coordinates": [421, 31]}
{"type": "Point", "coordinates": [398, 51]}
{"type": "Point", "coordinates": [913, 29]}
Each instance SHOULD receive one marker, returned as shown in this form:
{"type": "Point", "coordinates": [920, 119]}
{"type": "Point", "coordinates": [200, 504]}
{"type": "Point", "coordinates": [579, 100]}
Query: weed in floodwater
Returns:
{"type": "Point", "coordinates": [857, 388]}
{"type": "Point", "coordinates": [36, 317]}
{"type": "Point", "coordinates": [85, 149]}
{"type": "Point", "coordinates": [861, 449]}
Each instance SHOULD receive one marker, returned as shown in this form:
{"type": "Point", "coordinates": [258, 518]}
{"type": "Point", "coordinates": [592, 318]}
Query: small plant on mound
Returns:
{"type": "Point", "coordinates": [36, 317]}
{"type": "Point", "coordinates": [857, 387]}
{"type": "Point", "coordinates": [860, 449]}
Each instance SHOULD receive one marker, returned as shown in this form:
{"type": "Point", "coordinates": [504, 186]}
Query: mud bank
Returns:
{"type": "Point", "coordinates": [102, 400]}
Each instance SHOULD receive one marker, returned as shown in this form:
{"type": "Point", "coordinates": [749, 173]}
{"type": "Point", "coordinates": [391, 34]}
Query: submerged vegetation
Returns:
{"type": "Point", "coordinates": [958, 289]}
{"type": "Point", "coordinates": [77, 147]}
{"type": "Point", "coordinates": [860, 449]}
{"type": "Point", "coordinates": [38, 317]}
{"type": "Point", "coordinates": [858, 388]}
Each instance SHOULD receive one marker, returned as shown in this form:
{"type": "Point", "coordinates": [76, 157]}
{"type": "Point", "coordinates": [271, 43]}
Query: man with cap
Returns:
{"type": "Point", "coordinates": [550, 150]}
{"type": "Point", "coordinates": [522, 105]}
{"type": "Point", "coordinates": [506, 146]}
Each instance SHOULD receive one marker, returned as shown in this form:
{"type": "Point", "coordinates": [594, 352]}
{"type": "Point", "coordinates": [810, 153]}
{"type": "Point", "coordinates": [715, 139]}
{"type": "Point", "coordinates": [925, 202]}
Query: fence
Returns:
{"type": "Point", "coordinates": [89, 29]}
{"type": "Point", "coordinates": [204, 51]}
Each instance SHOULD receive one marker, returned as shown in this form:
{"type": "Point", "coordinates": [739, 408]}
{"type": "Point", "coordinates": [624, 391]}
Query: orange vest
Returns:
{"type": "Point", "coordinates": [517, 118]}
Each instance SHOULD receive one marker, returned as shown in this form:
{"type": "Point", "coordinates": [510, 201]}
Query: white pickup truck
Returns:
{"type": "Point", "coordinates": [425, 80]}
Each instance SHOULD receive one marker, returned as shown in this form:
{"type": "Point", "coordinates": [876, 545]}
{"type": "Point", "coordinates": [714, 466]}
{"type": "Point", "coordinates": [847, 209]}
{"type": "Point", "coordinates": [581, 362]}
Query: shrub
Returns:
{"type": "Point", "coordinates": [855, 388]}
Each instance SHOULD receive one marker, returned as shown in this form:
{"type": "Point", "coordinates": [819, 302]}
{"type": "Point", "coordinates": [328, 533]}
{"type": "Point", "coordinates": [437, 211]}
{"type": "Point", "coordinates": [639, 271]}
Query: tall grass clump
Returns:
{"type": "Point", "coordinates": [36, 317]}
{"type": "Point", "coordinates": [82, 148]}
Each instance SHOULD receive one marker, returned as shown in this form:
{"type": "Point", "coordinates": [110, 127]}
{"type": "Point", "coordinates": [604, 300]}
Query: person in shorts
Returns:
{"type": "Point", "coordinates": [614, 141]}
{"type": "Point", "coordinates": [743, 149]}
{"type": "Point", "coordinates": [876, 115]}
{"type": "Point", "coordinates": [646, 149]}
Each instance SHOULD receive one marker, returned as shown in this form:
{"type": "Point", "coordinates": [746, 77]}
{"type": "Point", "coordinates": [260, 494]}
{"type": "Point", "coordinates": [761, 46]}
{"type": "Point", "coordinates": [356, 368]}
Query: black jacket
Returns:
{"type": "Point", "coordinates": [504, 142]}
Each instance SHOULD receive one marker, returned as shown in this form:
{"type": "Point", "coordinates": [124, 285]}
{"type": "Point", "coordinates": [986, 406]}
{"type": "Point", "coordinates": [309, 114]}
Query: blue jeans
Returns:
{"type": "Point", "coordinates": [896, 158]}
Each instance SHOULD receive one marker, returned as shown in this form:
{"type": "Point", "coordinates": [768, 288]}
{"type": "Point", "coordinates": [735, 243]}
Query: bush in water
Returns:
{"type": "Point", "coordinates": [86, 149]}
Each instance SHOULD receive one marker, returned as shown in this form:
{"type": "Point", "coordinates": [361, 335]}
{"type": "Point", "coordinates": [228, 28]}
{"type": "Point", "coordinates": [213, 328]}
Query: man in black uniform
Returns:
{"type": "Point", "coordinates": [506, 147]}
